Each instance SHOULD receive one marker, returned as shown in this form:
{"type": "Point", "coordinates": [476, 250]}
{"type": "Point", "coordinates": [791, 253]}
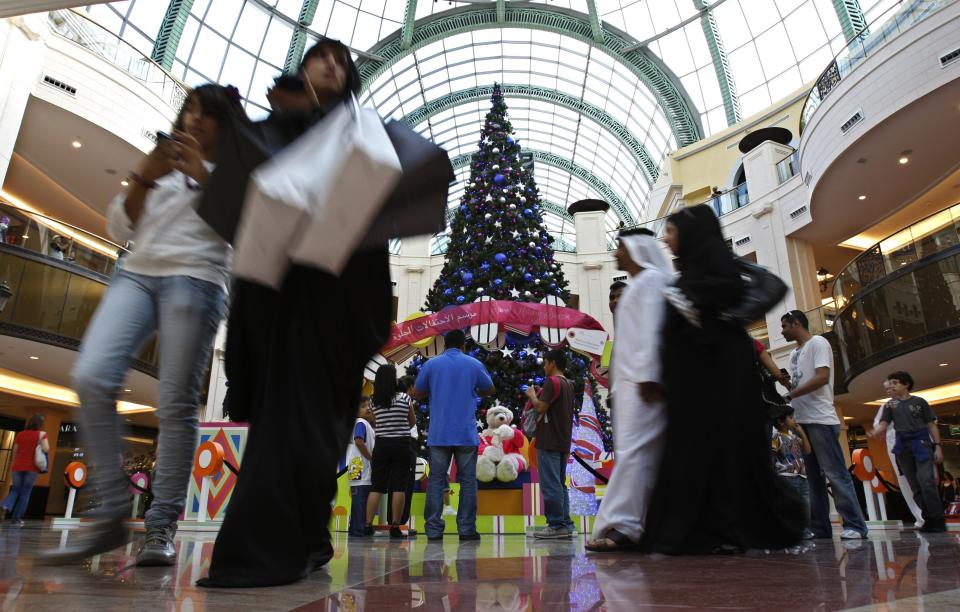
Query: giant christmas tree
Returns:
{"type": "Point", "coordinates": [500, 248]}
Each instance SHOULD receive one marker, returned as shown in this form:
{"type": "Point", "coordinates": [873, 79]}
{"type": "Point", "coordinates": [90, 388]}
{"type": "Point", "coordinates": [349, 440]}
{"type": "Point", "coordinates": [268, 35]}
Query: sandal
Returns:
{"type": "Point", "coordinates": [621, 543]}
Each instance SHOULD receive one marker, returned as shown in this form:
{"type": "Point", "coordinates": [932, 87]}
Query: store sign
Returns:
{"type": "Point", "coordinates": [69, 428]}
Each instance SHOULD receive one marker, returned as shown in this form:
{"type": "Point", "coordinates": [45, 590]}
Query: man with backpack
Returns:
{"type": "Point", "coordinates": [554, 408]}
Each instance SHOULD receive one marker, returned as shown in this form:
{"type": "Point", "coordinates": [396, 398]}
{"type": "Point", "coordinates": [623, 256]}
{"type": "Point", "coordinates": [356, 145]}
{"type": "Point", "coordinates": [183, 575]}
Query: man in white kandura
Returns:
{"type": "Point", "coordinates": [640, 419]}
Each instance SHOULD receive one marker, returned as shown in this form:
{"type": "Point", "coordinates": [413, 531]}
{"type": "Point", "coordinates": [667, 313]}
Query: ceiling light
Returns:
{"type": "Point", "coordinates": [24, 386]}
{"type": "Point", "coordinates": [34, 357]}
{"type": "Point", "coordinates": [77, 144]}
{"type": "Point", "coordinates": [943, 365]}
{"type": "Point", "coordinates": [126, 390]}
{"type": "Point", "coordinates": [124, 182]}
{"type": "Point", "coordinates": [904, 160]}
{"type": "Point", "coordinates": [863, 197]}
{"type": "Point", "coordinates": [847, 418]}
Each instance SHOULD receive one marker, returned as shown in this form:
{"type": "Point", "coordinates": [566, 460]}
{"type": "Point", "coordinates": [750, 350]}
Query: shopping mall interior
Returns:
{"type": "Point", "coordinates": [819, 131]}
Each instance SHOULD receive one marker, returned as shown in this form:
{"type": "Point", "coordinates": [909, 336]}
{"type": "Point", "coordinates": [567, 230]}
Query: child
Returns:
{"type": "Point", "coordinates": [359, 456]}
{"type": "Point", "coordinates": [916, 448]}
{"type": "Point", "coordinates": [789, 444]}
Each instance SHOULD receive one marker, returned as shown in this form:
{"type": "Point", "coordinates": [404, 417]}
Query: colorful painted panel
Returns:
{"type": "Point", "coordinates": [233, 439]}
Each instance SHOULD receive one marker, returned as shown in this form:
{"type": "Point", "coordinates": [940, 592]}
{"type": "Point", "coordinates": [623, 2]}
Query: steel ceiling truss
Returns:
{"type": "Point", "coordinates": [552, 96]}
{"type": "Point", "coordinates": [680, 111]}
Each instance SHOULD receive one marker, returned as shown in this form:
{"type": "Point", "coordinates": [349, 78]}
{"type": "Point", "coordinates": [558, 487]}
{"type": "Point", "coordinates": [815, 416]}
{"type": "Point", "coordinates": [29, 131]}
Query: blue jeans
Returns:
{"type": "Point", "coordinates": [552, 466]}
{"type": "Point", "coordinates": [827, 463]}
{"type": "Point", "coordinates": [185, 313]}
{"type": "Point", "coordinates": [358, 509]}
{"type": "Point", "coordinates": [466, 458]}
{"type": "Point", "coordinates": [19, 495]}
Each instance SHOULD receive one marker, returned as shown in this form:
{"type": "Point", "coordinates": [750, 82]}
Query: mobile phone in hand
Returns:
{"type": "Point", "coordinates": [162, 136]}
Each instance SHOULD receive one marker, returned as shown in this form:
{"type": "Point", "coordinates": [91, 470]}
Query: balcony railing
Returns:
{"type": "Point", "coordinates": [90, 35]}
{"type": "Point", "coordinates": [52, 277]}
{"type": "Point", "coordinates": [75, 247]}
{"type": "Point", "coordinates": [914, 307]}
{"type": "Point", "coordinates": [730, 200]}
{"type": "Point", "coordinates": [788, 167]}
{"type": "Point", "coordinates": [935, 234]}
{"type": "Point", "coordinates": [891, 23]}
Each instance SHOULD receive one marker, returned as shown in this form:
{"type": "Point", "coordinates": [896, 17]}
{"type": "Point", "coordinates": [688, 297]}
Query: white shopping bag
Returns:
{"type": "Point", "coordinates": [359, 168]}
{"type": "Point", "coordinates": [313, 201]}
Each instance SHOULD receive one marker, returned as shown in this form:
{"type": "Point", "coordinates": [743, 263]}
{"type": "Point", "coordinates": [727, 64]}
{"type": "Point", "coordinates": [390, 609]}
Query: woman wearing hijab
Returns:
{"type": "Point", "coordinates": [641, 420]}
{"type": "Point", "coordinates": [295, 359]}
{"type": "Point", "coordinates": [717, 431]}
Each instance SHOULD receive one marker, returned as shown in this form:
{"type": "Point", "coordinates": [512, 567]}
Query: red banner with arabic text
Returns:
{"type": "Point", "coordinates": [521, 314]}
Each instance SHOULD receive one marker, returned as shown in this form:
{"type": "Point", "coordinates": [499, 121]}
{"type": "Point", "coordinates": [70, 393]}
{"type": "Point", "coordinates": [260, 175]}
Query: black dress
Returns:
{"type": "Point", "coordinates": [717, 431]}
{"type": "Point", "coordinates": [294, 360]}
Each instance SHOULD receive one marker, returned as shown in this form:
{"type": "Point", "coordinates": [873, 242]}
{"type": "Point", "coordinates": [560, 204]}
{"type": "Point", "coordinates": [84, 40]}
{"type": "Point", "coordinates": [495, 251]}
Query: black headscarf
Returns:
{"type": "Point", "coordinates": [708, 271]}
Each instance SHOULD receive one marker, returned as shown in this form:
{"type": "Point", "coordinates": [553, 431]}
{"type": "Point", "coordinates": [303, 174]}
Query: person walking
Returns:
{"type": "Point", "coordinates": [393, 411]}
{"type": "Point", "coordinates": [640, 425]}
{"type": "Point", "coordinates": [811, 395]}
{"type": "Point", "coordinates": [917, 447]}
{"type": "Point", "coordinates": [453, 381]}
{"type": "Point", "coordinates": [24, 469]}
{"type": "Point", "coordinates": [174, 284]}
{"type": "Point", "coordinates": [554, 406]}
{"type": "Point", "coordinates": [293, 375]}
{"type": "Point", "coordinates": [710, 378]}
{"type": "Point", "coordinates": [891, 439]}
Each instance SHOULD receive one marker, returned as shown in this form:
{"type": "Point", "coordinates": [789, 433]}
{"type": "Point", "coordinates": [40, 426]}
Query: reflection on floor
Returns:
{"type": "Point", "coordinates": [905, 570]}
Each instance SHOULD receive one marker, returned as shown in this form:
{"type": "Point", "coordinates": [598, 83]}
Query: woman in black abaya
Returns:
{"type": "Point", "coordinates": [295, 361]}
{"type": "Point", "coordinates": [717, 429]}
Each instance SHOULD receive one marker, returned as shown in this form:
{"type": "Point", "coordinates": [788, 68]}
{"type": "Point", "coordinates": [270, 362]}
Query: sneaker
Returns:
{"type": "Point", "coordinates": [93, 538]}
{"type": "Point", "coordinates": [368, 530]}
{"type": "Point", "coordinates": [809, 535]}
{"type": "Point", "coordinates": [397, 533]}
{"type": "Point", "coordinates": [850, 534]}
{"type": "Point", "coordinates": [21, 523]}
{"type": "Point", "coordinates": [474, 537]}
{"type": "Point", "coordinates": [158, 548]}
{"type": "Point", "coordinates": [552, 534]}
{"type": "Point", "coordinates": [449, 511]}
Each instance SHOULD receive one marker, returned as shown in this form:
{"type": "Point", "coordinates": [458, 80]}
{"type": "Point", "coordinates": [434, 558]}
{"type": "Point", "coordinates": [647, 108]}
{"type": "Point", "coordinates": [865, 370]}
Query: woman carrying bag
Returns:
{"type": "Point", "coordinates": [295, 358]}
{"type": "Point", "coordinates": [30, 449]}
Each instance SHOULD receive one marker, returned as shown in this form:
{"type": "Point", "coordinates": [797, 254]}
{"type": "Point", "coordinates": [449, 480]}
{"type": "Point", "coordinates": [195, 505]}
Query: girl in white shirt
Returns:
{"type": "Point", "coordinates": [173, 284]}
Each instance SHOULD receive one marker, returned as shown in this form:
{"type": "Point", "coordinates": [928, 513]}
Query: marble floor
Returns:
{"type": "Point", "coordinates": [902, 571]}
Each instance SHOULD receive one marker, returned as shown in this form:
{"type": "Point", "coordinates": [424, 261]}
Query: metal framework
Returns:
{"type": "Point", "coordinates": [552, 96]}
{"type": "Point", "coordinates": [680, 111]}
{"type": "Point", "coordinates": [728, 88]}
{"type": "Point", "coordinates": [298, 41]}
{"type": "Point", "coordinates": [595, 26]}
{"type": "Point", "coordinates": [573, 168]}
{"type": "Point", "coordinates": [851, 17]}
{"type": "Point", "coordinates": [168, 38]}
{"type": "Point", "coordinates": [409, 15]}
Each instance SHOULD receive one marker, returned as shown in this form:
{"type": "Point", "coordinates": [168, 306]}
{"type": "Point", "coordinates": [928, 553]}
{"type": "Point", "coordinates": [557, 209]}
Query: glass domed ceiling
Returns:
{"type": "Point", "coordinates": [599, 105]}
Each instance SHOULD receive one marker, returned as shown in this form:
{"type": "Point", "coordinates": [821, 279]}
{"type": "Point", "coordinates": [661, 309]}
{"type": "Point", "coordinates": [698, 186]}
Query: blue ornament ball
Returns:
{"type": "Point", "coordinates": [527, 212]}
{"type": "Point", "coordinates": [509, 268]}
{"type": "Point", "coordinates": [509, 140]}
{"type": "Point", "coordinates": [522, 354]}
{"type": "Point", "coordinates": [538, 380]}
{"type": "Point", "coordinates": [497, 282]}
{"type": "Point", "coordinates": [467, 277]}
{"type": "Point", "coordinates": [461, 299]}
{"type": "Point", "coordinates": [523, 388]}
{"type": "Point", "coordinates": [528, 277]}
{"type": "Point", "coordinates": [538, 250]}
{"type": "Point", "coordinates": [500, 258]}
{"type": "Point", "coordinates": [499, 178]}
{"type": "Point", "coordinates": [448, 292]}
{"type": "Point", "coordinates": [484, 266]}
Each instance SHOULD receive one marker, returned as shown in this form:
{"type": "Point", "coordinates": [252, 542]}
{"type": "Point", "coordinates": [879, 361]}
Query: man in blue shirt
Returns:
{"type": "Point", "coordinates": [453, 381]}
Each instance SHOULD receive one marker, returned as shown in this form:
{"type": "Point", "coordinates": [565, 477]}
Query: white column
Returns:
{"type": "Point", "coordinates": [596, 269]}
{"type": "Point", "coordinates": [21, 63]}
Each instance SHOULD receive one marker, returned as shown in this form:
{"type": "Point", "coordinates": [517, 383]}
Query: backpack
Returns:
{"type": "Point", "coordinates": [530, 418]}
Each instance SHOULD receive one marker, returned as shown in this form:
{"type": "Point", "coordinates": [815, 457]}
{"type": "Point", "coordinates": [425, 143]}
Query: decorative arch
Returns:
{"type": "Point", "coordinates": [679, 109]}
{"type": "Point", "coordinates": [552, 96]}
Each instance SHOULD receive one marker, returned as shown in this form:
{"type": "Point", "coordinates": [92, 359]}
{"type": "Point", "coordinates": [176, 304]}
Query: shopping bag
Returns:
{"type": "Point", "coordinates": [343, 170]}
{"type": "Point", "coordinates": [418, 203]}
{"type": "Point", "coordinates": [40, 458]}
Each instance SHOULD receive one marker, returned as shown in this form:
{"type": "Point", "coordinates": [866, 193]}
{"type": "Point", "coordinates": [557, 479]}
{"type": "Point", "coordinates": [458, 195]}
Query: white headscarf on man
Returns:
{"type": "Point", "coordinates": [647, 252]}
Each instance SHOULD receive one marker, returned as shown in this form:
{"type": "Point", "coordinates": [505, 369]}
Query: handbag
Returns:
{"type": "Point", "coordinates": [39, 457]}
{"type": "Point", "coordinates": [530, 418]}
{"type": "Point", "coordinates": [312, 202]}
{"type": "Point", "coordinates": [762, 290]}
{"type": "Point", "coordinates": [418, 203]}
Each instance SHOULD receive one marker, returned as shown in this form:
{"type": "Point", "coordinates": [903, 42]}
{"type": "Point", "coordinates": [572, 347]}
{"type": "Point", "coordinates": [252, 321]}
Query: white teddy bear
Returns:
{"type": "Point", "coordinates": [500, 448]}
